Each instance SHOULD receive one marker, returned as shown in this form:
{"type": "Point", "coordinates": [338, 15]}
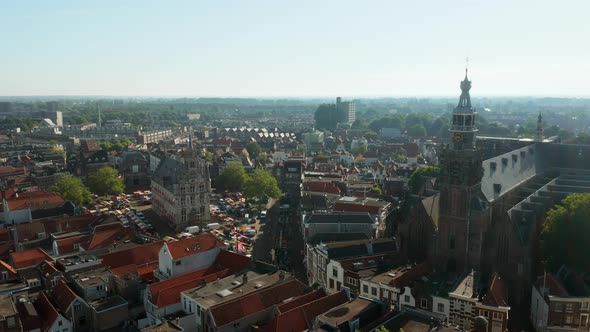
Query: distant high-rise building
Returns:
{"type": "Point", "coordinates": [52, 106]}
{"type": "Point", "coordinates": [346, 111]}
{"type": "Point", "coordinates": [59, 120]}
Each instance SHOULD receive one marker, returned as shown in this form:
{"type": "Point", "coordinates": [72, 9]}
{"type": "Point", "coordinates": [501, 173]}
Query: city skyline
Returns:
{"type": "Point", "coordinates": [308, 49]}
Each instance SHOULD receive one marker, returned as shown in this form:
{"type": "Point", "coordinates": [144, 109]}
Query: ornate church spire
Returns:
{"type": "Point", "coordinates": [463, 127]}
{"type": "Point", "coordinates": [465, 98]}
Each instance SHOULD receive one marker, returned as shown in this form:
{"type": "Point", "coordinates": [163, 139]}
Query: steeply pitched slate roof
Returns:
{"type": "Point", "coordinates": [302, 317]}
{"type": "Point", "coordinates": [28, 258]}
{"type": "Point", "coordinates": [193, 245]}
{"type": "Point", "coordinates": [140, 255]}
{"type": "Point", "coordinates": [63, 295]}
{"type": "Point", "coordinates": [46, 310]}
{"type": "Point", "coordinates": [35, 200]}
{"type": "Point", "coordinates": [249, 304]}
{"type": "Point", "coordinates": [495, 294]}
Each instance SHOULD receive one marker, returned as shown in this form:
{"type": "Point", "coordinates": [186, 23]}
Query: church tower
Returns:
{"type": "Point", "coordinates": [458, 244]}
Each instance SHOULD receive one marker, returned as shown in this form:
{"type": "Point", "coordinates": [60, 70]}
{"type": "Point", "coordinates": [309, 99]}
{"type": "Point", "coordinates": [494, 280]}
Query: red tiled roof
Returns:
{"type": "Point", "coordinates": [143, 254]}
{"type": "Point", "coordinates": [323, 187]}
{"type": "Point", "coordinates": [63, 295]}
{"type": "Point", "coordinates": [193, 245]}
{"type": "Point", "coordinates": [6, 267]}
{"type": "Point", "coordinates": [249, 304]}
{"type": "Point", "coordinates": [404, 278]}
{"type": "Point", "coordinates": [301, 300]}
{"type": "Point", "coordinates": [4, 234]}
{"type": "Point", "coordinates": [167, 292]}
{"type": "Point", "coordinates": [8, 192]}
{"type": "Point", "coordinates": [34, 200]}
{"type": "Point", "coordinates": [103, 238]}
{"type": "Point", "coordinates": [29, 231]}
{"type": "Point", "coordinates": [232, 261]}
{"type": "Point", "coordinates": [301, 318]}
{"type": "Point", "coordinates": [555, 286]}
{"type": "Point", "coordinates": [48, 268]}
{"type": "Point", "coordinates": [125, 270]}
{"type": "Point", "coordinates": [46, 310]}
{"type": "Point", "coordinates": [6, 248]}
{"type": "Point", "coordinates": [69, 224]}
{"type": "Point", "coordinates": [412, 149]}
{"type": "Point", "coordinates": [145, 272]}
{"type": "Point", "coordinates": [9, 170]}
{"type": "Point", "coordinates": [67, 245]}
{"type": "Point", "coordinates": [495, 294]}
{"type": "Point", "coordinates": [28, 258]}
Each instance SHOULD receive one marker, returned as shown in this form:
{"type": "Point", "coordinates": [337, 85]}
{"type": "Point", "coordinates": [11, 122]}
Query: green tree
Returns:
{"type": "Point", "coordinates": [359, 149]}
{"type": "Point", "coordinates": [253, 149]}
{"type": "Point", "coordinates": [107, 146]}
{"type": "Point", "coordinates": [565, 234]}
{"type": "Point", "coordinates": [417, 130]}
{"type": "Point", "coordinates": [106, 182]}
{"type": "Point", "coordinates": [417, 178]}
{"type": "Point", "coordinates": [260, 184]}
{"type": "Point", "coordinates": [360, 124]}
{"type": "Point", "coordinates": [71, 189]}
{"type": "Point", "coordinates": [208, 156]}
{"type": "Point", "coordinates": [376, 190]}
{"type": "Point", "coordinates": [56, 150]}
{"type": "Point", "coordinates": [233, 177]}
{"type": "Point", "coordinates": [371, 135]}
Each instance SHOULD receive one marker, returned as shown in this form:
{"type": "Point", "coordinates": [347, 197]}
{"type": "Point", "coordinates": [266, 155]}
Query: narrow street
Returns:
{"type": "Point", "coordinates": [279, 242]}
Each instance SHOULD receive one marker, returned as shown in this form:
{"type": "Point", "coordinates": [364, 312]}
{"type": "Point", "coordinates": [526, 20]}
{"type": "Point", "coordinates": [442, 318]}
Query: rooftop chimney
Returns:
{"type": "Point", "coordinates": [245, 278]}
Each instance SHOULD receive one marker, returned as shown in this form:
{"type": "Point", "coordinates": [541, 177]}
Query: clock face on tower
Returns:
{"type": "Point", "coordinates": [458, 137]}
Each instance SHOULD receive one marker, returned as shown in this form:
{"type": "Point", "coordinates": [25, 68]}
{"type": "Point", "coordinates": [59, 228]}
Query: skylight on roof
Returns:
{"type": "Point", "coordinates": [224, 293]}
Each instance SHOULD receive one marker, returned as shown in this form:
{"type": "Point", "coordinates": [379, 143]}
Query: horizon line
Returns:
{"type": "Point", "coordinates": [360, 96]}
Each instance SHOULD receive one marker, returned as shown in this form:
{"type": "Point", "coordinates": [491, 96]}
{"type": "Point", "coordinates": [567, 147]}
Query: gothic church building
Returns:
{"type": "Point", "coordinates": [492, 202]}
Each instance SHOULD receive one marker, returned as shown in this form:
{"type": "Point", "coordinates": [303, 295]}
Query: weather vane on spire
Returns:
{"type": "Point", "coordinates": [466, 65]}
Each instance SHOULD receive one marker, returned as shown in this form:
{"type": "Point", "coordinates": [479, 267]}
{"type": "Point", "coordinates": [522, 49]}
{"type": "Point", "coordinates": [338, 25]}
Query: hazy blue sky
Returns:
{"type": "Point", "coordinates": [294, 48]}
